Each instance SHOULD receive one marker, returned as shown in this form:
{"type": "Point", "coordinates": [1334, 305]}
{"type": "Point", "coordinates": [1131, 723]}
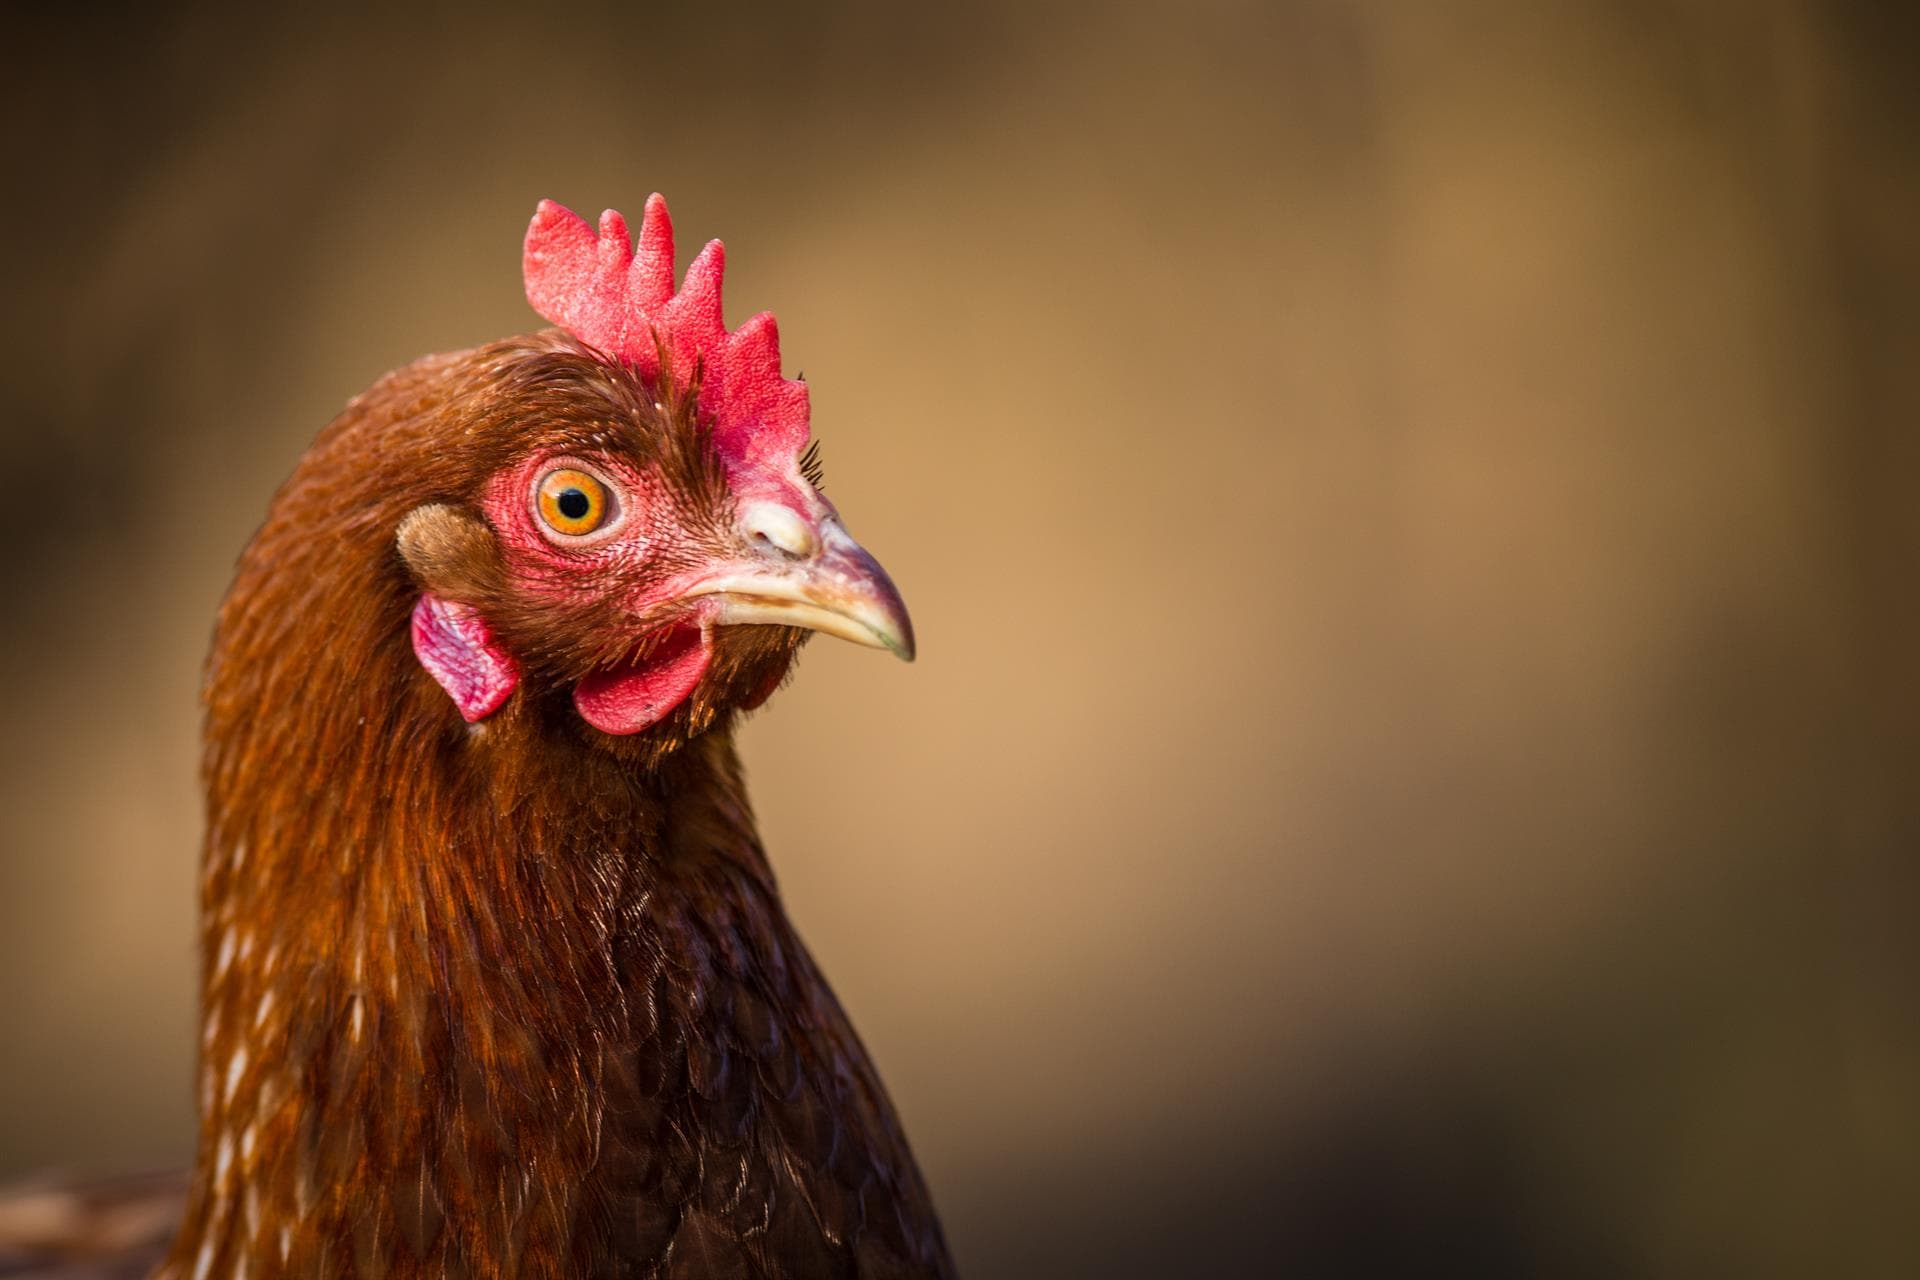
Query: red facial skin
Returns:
{"type": "Point", "coordinates": [649, 537]}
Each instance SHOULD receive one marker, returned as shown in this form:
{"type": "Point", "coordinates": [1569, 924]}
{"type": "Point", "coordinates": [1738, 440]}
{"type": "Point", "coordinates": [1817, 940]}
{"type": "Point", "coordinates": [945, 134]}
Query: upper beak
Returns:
{"type": "Point", "coordinates": [823, 581]}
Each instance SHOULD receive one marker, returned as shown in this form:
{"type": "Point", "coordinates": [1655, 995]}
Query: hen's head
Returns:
{"type": "Point", "coordinates": [627, 531]}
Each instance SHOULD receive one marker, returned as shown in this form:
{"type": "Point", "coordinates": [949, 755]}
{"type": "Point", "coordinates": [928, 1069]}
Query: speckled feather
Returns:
{"type": "Point", "coordinates": [514, 998]}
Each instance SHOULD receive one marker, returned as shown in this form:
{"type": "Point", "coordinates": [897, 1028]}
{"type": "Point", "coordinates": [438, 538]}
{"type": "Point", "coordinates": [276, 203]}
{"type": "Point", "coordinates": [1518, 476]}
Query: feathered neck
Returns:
{"type": "Point", "coordinates": [411, 988]}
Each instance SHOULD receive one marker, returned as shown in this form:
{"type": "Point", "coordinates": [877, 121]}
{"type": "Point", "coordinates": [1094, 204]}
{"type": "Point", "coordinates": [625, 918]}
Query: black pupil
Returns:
{"type": "Point", "coordinates": [573, 504]}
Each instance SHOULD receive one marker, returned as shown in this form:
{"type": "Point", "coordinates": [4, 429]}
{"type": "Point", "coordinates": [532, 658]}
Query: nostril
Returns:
{"type": "Point", "coordinates": [765, 545]}
{"type": "Point", "coordinates": [773, 529]}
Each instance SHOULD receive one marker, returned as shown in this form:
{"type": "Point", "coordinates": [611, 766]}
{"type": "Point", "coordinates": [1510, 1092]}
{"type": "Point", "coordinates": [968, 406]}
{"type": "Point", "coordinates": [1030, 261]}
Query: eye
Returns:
{"type": "Point", "coordinates": [572, 502]}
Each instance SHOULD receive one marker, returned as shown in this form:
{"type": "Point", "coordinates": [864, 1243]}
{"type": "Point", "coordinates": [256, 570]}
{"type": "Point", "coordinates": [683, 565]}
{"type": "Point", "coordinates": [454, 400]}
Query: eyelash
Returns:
{"type": "Point", "coordinates": [812, 468]}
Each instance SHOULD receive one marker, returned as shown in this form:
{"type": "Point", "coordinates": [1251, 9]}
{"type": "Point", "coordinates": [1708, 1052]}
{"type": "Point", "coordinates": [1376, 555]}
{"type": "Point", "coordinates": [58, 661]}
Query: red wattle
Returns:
{"type": "Point", "coordinates": [633, 698]}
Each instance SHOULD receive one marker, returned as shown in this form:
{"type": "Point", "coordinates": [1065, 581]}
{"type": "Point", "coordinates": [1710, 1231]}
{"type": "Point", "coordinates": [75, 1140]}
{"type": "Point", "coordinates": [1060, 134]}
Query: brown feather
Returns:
{"type": "Point", "coordinates": [450, 552]}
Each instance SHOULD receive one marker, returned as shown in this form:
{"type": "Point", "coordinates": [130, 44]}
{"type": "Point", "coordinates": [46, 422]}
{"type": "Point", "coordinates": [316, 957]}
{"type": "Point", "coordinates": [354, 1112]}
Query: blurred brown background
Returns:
{"type": "Point", "coordinates": [1408, 509]}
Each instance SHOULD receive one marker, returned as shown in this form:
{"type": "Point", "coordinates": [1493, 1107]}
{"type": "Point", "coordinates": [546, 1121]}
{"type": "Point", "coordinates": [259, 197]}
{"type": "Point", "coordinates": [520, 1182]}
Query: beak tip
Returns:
{"type": "Point", "coordinates": [900, 636]}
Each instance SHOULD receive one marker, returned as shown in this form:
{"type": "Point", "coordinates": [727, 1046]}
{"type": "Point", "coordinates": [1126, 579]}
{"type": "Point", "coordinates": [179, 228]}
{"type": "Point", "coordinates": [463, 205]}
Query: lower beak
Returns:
{"type": "Point", "coordinates": [840, 590]}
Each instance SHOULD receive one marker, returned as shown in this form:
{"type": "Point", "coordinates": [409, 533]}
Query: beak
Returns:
{"type": "Point", "coordinates": [823, 581]}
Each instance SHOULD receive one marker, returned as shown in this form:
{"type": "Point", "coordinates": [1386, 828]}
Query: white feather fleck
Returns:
{"type": "Point", "coordinates": [236, 1067]}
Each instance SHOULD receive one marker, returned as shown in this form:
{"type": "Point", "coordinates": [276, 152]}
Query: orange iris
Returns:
{"type": "Point", "coordinates": [573, 502]}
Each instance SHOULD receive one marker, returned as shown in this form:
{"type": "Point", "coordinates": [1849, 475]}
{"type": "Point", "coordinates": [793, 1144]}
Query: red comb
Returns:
{"type": "Point", "coordinates": [622, 301]}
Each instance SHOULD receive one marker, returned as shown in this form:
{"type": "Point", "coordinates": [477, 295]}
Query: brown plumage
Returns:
{"type": "Point", "coordinates": [56, 1229]}
{"type": "Point", "coordinates": [515, 997]}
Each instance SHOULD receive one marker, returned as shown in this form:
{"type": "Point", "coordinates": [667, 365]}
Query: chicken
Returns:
{"type": "Point", "coordinates": [496, 978]}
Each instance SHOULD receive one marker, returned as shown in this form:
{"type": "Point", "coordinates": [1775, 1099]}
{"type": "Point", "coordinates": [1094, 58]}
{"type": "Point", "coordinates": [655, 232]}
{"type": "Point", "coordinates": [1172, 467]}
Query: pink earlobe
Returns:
{"type": "Point", "coordinates": [457, 648]}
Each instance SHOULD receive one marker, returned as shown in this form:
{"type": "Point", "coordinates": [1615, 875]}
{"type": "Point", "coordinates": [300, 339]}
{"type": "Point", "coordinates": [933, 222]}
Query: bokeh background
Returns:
{"type": "Point", "coordinates": [1409, 509]}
